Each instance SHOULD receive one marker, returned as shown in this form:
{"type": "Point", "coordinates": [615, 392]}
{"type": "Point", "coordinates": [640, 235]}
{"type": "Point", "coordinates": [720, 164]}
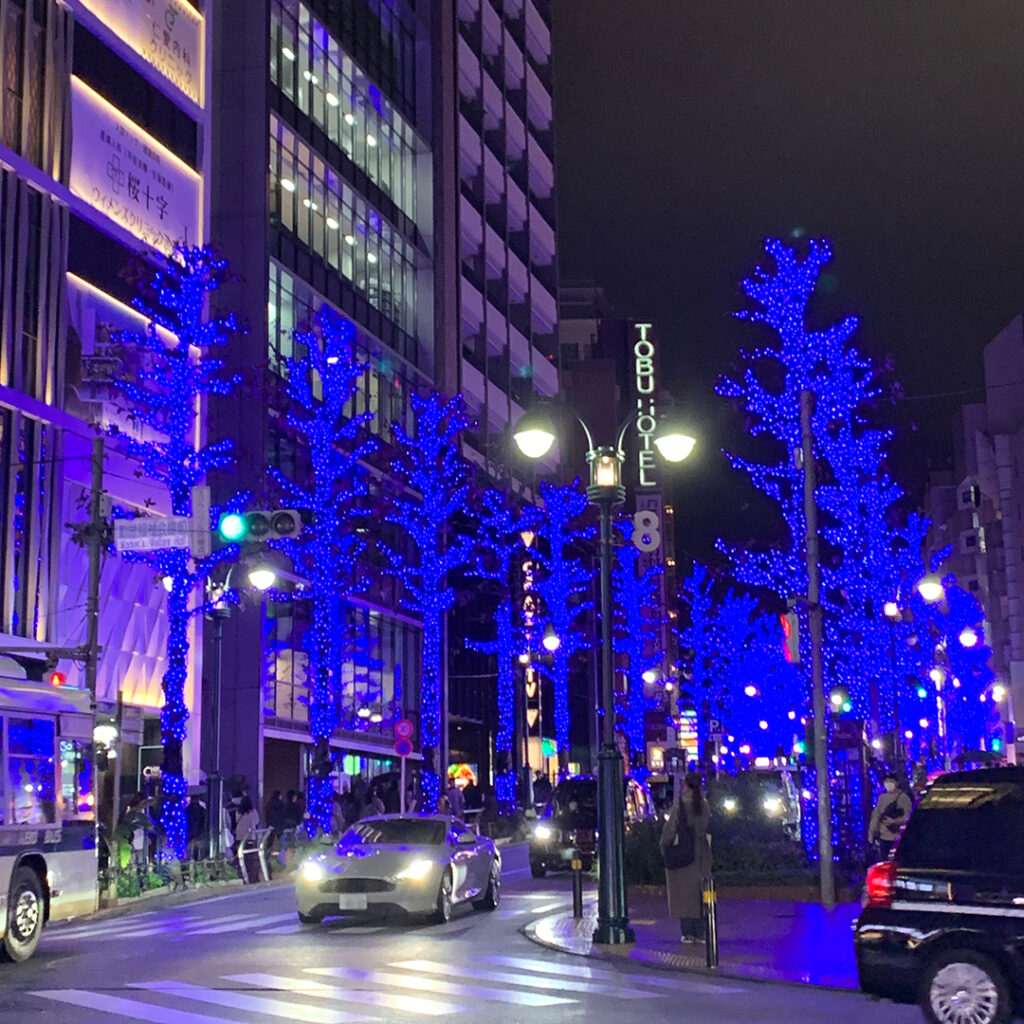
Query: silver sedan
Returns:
{"type": "Point", "coordinates": [421, 864]}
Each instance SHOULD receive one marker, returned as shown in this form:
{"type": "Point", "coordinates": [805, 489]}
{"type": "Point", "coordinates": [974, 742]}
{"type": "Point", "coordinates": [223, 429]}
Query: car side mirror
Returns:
{"type": "Point", "coordinates": [466, 839]}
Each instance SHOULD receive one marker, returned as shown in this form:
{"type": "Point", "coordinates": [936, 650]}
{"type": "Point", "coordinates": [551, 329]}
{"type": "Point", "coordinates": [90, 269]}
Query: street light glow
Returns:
{"type": "Point", "coordinates": [673, 442]}
{"type": "Point", "coordinates": [551, 639]}
{"type": "Point", "coordinates": [998, 692]}
{"type": "Point", "coordinates": [262, 577]}
{"type": "Point", "coordinates": [931, 589]}
{"type": "Point", "coordinates": [650, 676]}
{"type": "Point", "coordinates": [892, 610]}
{"type": "Point", "coordinates": [535, 433]}
{"type": "Point", "coordinates": [968, 638]}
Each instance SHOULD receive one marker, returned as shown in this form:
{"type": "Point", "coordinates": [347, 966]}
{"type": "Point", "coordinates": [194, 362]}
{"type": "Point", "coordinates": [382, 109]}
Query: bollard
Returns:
{"type": "Point", "coordinates": [710, 923]}
{"type": "Point", "coordinates": [577, 888]}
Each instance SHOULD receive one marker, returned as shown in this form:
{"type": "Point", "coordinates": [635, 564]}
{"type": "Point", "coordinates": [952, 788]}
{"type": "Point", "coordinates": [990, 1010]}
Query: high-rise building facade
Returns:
{"type": "Point", "coordinates": [323, 179]}
{"type": "Point", "coordinates": [977, 512]}
{"type": "Point", "coordinates": [104, 157]}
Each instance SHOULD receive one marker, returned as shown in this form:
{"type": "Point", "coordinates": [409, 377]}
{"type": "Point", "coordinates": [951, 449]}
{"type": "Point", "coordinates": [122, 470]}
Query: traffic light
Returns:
{"type": "Point", "coordinates": [790, 623]}
{"type": "Point", "coordinates": [260, 524]}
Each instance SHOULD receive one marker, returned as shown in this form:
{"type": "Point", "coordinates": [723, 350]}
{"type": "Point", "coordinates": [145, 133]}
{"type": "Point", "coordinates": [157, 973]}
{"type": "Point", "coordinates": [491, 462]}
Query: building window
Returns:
{"type": "Point", "coordinates": [312, 202]}
{"type": "Point", "coordinates": [311, 69]}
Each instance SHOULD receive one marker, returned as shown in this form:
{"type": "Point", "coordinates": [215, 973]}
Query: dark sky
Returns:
{"type": "Point", "coordinates": [688, 130]}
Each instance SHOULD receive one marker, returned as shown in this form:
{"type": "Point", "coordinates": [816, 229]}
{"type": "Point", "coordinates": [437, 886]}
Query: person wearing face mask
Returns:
{"type": "Point", "coordinates": [889, 816]}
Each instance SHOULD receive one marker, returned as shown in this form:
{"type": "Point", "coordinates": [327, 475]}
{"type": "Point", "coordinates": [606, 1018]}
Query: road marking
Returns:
{"type": "Point", "coordinates": [450, 988]}
{"type": "Point", "coordinates": [253, 1004]}
{"type": "Point", "coordinates": [120, 926]}
{"type": "Point", "coordinates": [505, 978]}
{"type": "Point", "coordinates": [285, 929]}
{"type": "Point", "coordinates": [603, 974]}
{"type": "Point", "coordinates": [305, 987]}
{"type": "Point", "coordinates": [547, 907]}
{"type": "Point", "coordinates": [216, 927]}
{"type": "Point", "coordinates": [131, 1008]}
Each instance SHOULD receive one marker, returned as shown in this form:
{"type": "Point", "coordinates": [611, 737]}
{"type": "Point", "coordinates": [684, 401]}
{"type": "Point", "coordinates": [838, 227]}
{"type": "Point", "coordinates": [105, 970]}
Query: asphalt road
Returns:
{"type": "Point", "coordinates": [245, 958]}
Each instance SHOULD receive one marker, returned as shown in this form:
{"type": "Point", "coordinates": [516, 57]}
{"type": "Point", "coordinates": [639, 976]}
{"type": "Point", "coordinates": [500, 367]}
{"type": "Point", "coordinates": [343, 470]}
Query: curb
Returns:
{"type": "Point", "coordinates": [690, 965]}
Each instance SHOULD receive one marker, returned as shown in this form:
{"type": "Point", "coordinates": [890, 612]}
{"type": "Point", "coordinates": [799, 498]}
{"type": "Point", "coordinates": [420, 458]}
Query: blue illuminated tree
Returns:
{"type": "Point", "coordinates": [436, 477]}
{"type": "Point", "coordinates": [637, 635]}
{"type": "Point", "coordinates": [563, 582]}
{"type": "Point", "coordinates": [178, 376]}
{"type": "Point", "coordinates": [855, 494]}
{"type": "Point", "coordinates": [500, 545]}
{"type": "Point", "coordinates": [327, 552]}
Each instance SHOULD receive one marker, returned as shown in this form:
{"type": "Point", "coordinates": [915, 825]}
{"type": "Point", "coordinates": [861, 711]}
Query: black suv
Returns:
{"type": "Point", "coordinates": [569, 823]}
{"type": "Point", "coordinates": [943, 921]}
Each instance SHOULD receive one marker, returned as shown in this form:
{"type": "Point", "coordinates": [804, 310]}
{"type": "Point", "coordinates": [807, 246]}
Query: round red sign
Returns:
{"type": "Point", "coordinates": [403, 729]}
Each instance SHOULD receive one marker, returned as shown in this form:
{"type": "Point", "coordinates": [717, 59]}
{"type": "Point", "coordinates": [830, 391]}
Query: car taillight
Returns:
{"type": "Point", "coordinates": [881, 884]}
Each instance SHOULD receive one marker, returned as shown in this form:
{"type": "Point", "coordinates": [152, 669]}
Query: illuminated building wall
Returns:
{"type": "Point", "coordinates": [103, 156]}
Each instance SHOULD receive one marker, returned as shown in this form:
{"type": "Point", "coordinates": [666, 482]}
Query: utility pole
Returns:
{"type": "Point", "coordinates": [828, 886]}
{"type": "Point", "coordinates": [95, 538]}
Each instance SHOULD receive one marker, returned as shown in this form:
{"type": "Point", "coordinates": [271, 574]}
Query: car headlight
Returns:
{"type": "Point", "coordinates": [312, 871]}
{"type": "Point", "coordinates": [416, 871]}
{"type": "Point", "coordinates": [729, 804]}
{"type": "Point", "coordinates": [543, 832]}
{"type": "Point", "coordinates": [772, 805]}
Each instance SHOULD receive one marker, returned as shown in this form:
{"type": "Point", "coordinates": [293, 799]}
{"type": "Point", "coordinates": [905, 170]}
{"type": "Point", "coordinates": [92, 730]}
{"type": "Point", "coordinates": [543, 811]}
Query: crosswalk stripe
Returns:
{"type": "Point", "coordinates": [116, 926]}
{"type": "Point", "coordinates": [251, 1003]}
{"type": "Point", "coordinates": [216, 927]}
{"type": "Point", "coordinates": [547, 907]}
{"type": "Point", "coordinates": [407, 1004]}
{"type": "Point", "coordinates": [134, 1009]}
{"type": "Point", "coordinates": [603, 974]}
{"type": "Point", "coordinates": [506, 978]}
{"type": "Point", "coordinates": [285, 929]}
{"type": "Point", "coordinates": [449, 988]}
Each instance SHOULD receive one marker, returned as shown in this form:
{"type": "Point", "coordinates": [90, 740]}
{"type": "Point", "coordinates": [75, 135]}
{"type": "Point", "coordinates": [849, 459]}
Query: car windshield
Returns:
{"type": "Point", "coordinates": [396, 831]}
{"type": "Point", "coordinates": [574, 799]}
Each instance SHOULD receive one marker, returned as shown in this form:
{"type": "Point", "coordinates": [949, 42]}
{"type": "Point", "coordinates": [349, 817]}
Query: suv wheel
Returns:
{"type": "Point", "coordinates": [537, 870]}
{"type": "Point", "coordinates": [963, 987]}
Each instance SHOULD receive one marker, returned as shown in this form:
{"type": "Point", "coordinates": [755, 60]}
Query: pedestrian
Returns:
{"type": "Point", "coordinates": [541, 788]}
{"type": "Point", "coordinates": [456, 802]}
{"type": "Point", "coordinates": [374, 805]}
{"type": "Point", "coordinates": [338, 820]}
{"type": "Point", "coordinates": [195, 825]}
{"type": "Point", "coordinates": [687, 857]}
{"type": "Point", "coordinates": [889, 816]}
{"type": "Point", "coordinates": [274, 817]}
{"type": "Point", "coordinates": [246, 824]}
{"type": "Point", "coordinates": [473, 796]}
{"type": "Point", "coordinates": [137, 824]}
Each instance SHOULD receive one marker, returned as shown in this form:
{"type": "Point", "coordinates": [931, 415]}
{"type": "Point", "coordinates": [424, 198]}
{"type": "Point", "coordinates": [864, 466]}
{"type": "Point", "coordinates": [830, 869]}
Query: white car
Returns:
{"type": "Point", "coordinates": [421, 864]}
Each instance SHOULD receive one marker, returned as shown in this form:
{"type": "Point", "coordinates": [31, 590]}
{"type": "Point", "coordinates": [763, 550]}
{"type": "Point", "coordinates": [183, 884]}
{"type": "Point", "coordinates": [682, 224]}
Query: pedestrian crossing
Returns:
{"type": "Point", "coordinates": [417, 988]}
{"type": "Point", "coordinates": [185, 924]}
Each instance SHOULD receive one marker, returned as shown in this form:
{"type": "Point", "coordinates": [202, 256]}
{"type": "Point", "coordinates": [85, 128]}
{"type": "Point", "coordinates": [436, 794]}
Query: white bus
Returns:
{"type": "Point", "coordinates": [48, 865]}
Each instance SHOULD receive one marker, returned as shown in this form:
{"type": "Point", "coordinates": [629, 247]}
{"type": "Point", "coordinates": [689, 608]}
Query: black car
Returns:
{"type": "Point", "coordinates": [568, 824]}
{"type": "Point", "coordinates": [943, 921]}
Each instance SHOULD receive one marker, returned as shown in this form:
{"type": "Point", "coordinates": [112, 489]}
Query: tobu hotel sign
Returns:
{"type": "Point", "coordinates": [126, 174]}
{"type": "Point", "coordinates": [168, 34]}
{"type": "Point", "coordinates": [646, 418]}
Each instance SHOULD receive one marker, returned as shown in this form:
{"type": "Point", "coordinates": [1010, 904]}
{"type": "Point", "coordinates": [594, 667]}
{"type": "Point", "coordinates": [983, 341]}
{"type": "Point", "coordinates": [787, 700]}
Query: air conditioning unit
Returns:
{"type": "Point", "coordinates": [968, 495]}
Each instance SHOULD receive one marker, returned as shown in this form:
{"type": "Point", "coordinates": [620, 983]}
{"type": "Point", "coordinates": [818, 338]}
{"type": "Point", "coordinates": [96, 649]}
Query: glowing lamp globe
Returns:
{"type": "Point", "coordinates": [263, 577]}
{"type": "Point", "coordinates": [673, 441]}
{"type": "Point", "coordinates": [892, 610]}
{"type": "Point", "coordinates": [968, 638]}
{"type": "Point", "coordinates": [551, 639]}
{"type": "Point", "coordinates": [931, 589]}
{"type": "Point", "coordinates": [535, 433]}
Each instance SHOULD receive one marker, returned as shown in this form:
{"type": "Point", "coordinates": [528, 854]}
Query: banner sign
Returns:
{"type": "Point", "coordinates": [126, 174]}
{"type": "Point", "coordinates": [166, 33]}
{"type": "Point", "coordinates": [646, 419]}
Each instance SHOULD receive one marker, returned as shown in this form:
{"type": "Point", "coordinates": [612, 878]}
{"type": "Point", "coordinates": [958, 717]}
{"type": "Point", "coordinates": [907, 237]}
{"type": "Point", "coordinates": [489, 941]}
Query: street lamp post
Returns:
{"type": "Point", "coordinates": [534, 435]}
{"type": "Point", "coordinates": [261, 577]}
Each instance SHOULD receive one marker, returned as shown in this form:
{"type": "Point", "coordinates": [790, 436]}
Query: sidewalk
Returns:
{"type": "Point", "coordinates": [766, 940]}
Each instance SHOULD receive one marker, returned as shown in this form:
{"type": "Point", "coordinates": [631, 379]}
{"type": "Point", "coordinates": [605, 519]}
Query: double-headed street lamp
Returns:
{"type": "Point", "coordinates": [534, 435]}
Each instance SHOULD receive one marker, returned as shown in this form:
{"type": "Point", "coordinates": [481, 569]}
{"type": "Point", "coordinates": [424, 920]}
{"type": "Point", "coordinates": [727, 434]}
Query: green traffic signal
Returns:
{"type": "Point", "coordinates": [232, 526]}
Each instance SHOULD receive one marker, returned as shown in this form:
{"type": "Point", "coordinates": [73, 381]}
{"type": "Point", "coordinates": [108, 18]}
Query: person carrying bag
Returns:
{"type": "Point", "coordinates": [687, 856]}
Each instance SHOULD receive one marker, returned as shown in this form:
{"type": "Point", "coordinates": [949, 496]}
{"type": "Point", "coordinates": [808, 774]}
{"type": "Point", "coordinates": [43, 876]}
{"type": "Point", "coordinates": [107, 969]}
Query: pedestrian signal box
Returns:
{"type": "Point", "coordinates": [790, 622]}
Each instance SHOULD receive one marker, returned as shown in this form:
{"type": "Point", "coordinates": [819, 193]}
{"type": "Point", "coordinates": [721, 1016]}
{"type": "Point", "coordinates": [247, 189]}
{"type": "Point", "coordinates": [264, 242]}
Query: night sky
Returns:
{"type": "Point", "coordinates": [688, 130]}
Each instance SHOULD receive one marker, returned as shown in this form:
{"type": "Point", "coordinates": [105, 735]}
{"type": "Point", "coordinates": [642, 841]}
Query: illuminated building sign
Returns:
{"type": "Point", "coordinates": [166, 33]}
{"type": "Point", "coordinates": [646, 419]}
{"type": "Point", "coordinates": [126, 174]}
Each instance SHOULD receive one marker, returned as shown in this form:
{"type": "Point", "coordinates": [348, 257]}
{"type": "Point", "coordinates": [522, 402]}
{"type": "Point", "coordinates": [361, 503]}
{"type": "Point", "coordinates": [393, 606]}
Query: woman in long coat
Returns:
{"type": "Point", "coordinates": [685, 885]}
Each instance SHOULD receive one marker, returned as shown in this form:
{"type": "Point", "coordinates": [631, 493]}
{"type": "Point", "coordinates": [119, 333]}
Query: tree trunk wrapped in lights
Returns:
{"type": "Point", "coordinates": [430, 467]}
{"type": "Point", "coordinates": [178, 376]}
{"type": "Point", "coordinates": [327, 552]}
